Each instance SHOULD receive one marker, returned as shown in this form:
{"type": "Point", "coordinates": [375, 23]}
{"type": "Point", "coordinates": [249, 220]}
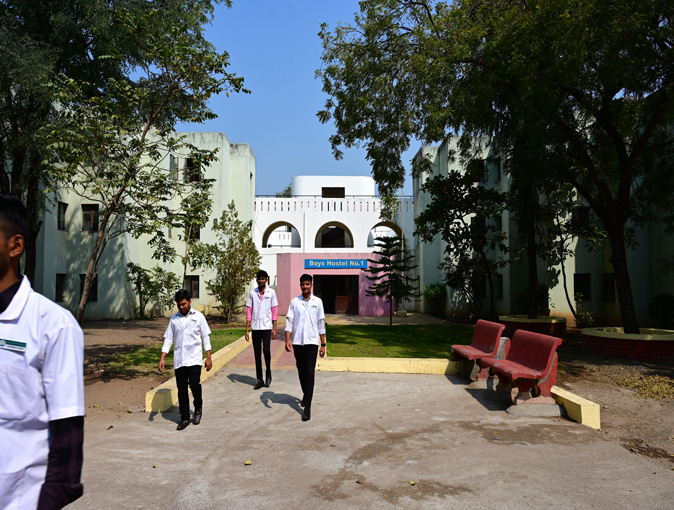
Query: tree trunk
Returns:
{"type": "Point", "coordinates": [622, 280]}
{"type": "Point", "coordinates": [532, 255]}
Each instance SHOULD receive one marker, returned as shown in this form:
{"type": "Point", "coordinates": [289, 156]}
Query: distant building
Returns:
{"type": "Point", "coordinates": [327, 229]}
{"type": "Point", "coordinates": [590, 274]}
{"type": "Point", "coordinates": [64, 243]}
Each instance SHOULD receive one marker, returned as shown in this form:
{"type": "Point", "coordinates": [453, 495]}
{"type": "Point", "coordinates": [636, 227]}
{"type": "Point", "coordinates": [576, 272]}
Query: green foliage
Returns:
{"type": "Point", "coordinates": [286, 192]}
{"type": "Point", "coordinates": [155, 286]}
{"type": "Point", "coordinates": [389, 272]}
{"type": "Point", "coordinates": [403, 341]}
{"type": "Point", "coordinates": [467, 217]}
{"type": "Point", "coordinates": [235, 259]}
{"type": "Point", "coordinates": [111, 148]}
{"type": "Point", "coordinates": [584, 318]}
{"type": "Point", "coordinates": [661, 311]}
{"type": "Point", "coordinates": [582, 88]}
{"type": "Point", "coordinates": [435, 291]}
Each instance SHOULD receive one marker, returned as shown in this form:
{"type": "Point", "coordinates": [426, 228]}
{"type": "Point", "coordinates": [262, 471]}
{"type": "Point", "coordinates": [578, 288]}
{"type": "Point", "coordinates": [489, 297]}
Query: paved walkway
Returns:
{"type": "Point", "coordinates": [370, 437]}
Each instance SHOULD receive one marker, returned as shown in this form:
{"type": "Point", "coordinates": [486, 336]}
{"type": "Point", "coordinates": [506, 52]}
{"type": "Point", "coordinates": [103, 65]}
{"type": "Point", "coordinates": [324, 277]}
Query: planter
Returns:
{"type": "Point", "coordinates": [651, 344]}
{"type": "Point", "coordinates": [546, 324]}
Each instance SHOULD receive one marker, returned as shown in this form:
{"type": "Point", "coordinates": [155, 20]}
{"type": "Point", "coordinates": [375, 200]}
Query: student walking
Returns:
{"type": "Point", "coordinates": [262, 315]}
{"type": "Point", "coordinates": [186, 330]}
{"type": "Point", "coordinates": [42, 394]}
{"type": "Point", "coordinates": [305, 333]}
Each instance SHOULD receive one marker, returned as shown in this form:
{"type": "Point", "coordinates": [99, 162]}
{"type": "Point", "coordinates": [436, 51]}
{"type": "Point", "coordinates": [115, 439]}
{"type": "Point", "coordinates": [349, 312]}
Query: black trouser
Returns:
{"type": "Point", "coordinates": [192, 376]}
{"type": "Point", "coordinates": [262, 342]}
{"type": "Point", "coordinates": [305, 359]}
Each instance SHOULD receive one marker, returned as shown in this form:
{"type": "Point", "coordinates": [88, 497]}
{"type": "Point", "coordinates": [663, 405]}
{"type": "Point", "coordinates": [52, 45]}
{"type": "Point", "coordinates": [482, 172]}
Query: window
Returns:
{"type": "Point", "coordinates": [89, 217]}
{"type": "Point", "coordinates": [192, 285]}
{"type": "Point", "coordinates": [333, 192]}
{"type": "Point", "coordinates": [608, 287]}
{"type": "Point", "coordinates": [582, 284]}
{"type": "Point", "coordinates": [93, 293]}
{"type": "Point", "coordinates": [60, 288]}
{"type": "Point", "coordinates": [478, 170]}
{"type": "Point", "coordinates": [196, 232]}
{"type": "Point", "coordinates": [173, 166]}
{"type": "Point", "coordinates": [192, 171]}
{"type": "Point", "coordinates": [61, 217]}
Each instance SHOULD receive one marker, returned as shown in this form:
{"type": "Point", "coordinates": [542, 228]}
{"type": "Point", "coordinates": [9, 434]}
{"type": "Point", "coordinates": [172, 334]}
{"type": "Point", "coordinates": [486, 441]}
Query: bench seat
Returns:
{"type": "Point", "coordinates": [487, 343]}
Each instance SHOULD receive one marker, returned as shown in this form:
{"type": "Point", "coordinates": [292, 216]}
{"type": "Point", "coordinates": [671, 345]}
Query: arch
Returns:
{"type": "Point", "coordinates": [334, 234]}
{"type": "Point", "coordinates": [389, 224]}
{"type": "Point", "coordinates": [295, 240]}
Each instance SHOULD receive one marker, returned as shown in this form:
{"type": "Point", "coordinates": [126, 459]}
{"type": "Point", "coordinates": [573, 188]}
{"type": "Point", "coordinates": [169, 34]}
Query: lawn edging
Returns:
{"type": "Point", "coordinates": [578, 408]}
{"type": "Point", "coordinates": [435, 366]}
{"type": "Point", "coordinates": [165, 396]}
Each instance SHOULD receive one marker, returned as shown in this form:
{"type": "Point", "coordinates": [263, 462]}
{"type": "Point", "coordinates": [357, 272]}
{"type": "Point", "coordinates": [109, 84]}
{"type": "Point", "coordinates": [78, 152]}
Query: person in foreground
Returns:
{"type": "Point", "coordinates": [187, 328]}
{"type": "Point", "coordinates": [262, 314]}
{"type": "Point", "coordinates": [41, 384]}
{"type": "Point", "coordinates": [305, 331]}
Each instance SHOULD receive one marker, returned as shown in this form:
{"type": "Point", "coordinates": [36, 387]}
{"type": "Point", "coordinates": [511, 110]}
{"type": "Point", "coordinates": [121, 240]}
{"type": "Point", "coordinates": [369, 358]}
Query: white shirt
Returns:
{"type": "Point", "coordinates": [261, 308]}
{"type": "Point", "coordinates": [41, 380]}
{"type": "Point", "coordinates": [187, 331]}
{"type": "Point", "coordinates": [305, 320]}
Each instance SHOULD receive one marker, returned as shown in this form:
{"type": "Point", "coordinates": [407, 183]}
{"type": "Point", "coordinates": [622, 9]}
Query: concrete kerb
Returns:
{"type": "Point", "coordinates": [165, 396]}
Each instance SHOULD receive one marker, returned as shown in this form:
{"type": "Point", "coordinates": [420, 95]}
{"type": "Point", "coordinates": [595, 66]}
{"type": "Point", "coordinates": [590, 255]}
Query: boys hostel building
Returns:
{"type": "Point", "coordinates": [327, 228]}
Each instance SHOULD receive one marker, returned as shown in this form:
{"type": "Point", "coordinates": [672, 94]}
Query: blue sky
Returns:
{"type": "Point", "coordinates": [275, 46]}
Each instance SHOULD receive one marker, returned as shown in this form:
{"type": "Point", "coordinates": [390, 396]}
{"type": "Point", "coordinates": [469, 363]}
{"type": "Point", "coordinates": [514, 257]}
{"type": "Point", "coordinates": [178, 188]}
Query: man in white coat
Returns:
{"type": "Point", "coordinates": [187, 328]}
{"type": "Point", "coordinates": [305, 331]}
{"type": "Point", "coordinates": [41, 384]}
{"type": "Point", "coordinates": [262, 315]}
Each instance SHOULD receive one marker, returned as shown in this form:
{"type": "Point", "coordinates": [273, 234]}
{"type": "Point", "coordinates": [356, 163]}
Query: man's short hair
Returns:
{"type": "Point", "coordinates": [183, 294]}
{"type": "Point", "coordinates": [262, 274]}
{"type": "Point", "coordinates": [306, 278]}
{"type": "Point", "coordinates": [13, 217]}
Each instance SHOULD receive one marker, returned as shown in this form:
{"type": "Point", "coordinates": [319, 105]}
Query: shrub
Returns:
{"type": "Point", "coordinates": [661, 311]}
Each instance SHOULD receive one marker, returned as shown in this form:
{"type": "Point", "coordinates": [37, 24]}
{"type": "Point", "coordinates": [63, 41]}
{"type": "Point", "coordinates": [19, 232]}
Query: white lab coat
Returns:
{"type": "Point", "coordinates": [305, 320]}
{"type": "Point", "coordinates": [261, 308]}
{"type": "Point", "coordinates": [186, 332]}
{"type": "Point", "coordinates": [41, 380]}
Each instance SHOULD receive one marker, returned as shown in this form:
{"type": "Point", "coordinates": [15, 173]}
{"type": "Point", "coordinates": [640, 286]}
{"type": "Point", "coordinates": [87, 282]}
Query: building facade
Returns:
{"type": "Point", "coordinates": [70, 228]}
{"type": "Point", "coordinates": [327, 228]}
{"type": "Point", "coordinates": [588, 273]}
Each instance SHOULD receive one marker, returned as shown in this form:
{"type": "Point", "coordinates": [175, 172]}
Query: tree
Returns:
{"type": "Point", "coordinates": [590, 82]}
{"type": "Point", "coordinates": [235, 258]}
{"type": "Point", "coordinates": [152, 286]}
{"type": "Point", "coordinates": [111, 148]}
{"type": "Point", "coordinates": [467, 217]}
{"type": "Point", "coordinates": [390, 273]}
{"type": "Point", "coordinates": [41, 39]}
{"type": "Point", "coordinates": [285, 192]}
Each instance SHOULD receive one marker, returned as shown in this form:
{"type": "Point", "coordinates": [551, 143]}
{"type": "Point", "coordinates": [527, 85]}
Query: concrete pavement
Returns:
{"type": "Point", "coordinates": [370, 436]}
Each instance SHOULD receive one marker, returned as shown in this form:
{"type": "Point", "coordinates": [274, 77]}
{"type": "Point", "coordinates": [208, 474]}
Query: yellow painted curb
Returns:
{"type": "Point", "coordinates": [389, 365]}
{"type": "Point", "coordinates": [579, 409]}
{"type": "Point", "coordinates": [165, 396]}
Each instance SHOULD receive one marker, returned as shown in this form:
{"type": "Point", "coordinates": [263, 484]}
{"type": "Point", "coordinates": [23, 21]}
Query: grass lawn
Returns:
{"type": "Point", "coordinates": [143, 360]}
{"type": "Point", "coordinates": [405, 341]}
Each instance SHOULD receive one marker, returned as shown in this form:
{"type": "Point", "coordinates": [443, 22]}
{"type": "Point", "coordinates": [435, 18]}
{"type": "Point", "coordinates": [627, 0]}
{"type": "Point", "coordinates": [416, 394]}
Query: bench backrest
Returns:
{"type": "Point", "coordinates": [533, 350]}
{"type": "Point", "coordinates": [487, 335]}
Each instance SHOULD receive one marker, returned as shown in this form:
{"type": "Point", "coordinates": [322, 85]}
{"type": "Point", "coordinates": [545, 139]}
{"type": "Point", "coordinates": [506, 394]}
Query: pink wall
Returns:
{"type": "Point", "coordinates": [290, 266]}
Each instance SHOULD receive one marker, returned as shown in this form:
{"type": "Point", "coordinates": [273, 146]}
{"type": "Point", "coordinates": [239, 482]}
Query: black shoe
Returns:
{"type": "Point", "coordinates": [307, 414]}
{"type": "Point", "coordinates": [197, 416]}
{"type": "Point", "coordinates": [183, 424]}
{"type": "Point", "coordinates": [267, 383]}
{"type": "Point", "coordinates": [259, 385]}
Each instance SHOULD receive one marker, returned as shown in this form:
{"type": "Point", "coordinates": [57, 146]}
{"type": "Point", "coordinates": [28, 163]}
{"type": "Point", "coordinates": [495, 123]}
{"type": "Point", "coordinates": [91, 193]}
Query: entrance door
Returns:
{"type": "Point", "coordinates": [339, 293]}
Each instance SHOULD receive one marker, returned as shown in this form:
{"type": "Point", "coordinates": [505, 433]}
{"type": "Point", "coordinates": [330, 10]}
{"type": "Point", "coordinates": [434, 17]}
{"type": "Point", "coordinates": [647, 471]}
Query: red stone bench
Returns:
{"type": "Point", "coordinates": [487, 343]}
{"type": "Point", "coordinates": [531, 365]}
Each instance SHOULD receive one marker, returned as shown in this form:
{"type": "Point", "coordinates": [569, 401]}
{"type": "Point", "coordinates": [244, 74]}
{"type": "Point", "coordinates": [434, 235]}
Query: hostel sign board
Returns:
{"type": "Point", "coordinates": [335, 263]}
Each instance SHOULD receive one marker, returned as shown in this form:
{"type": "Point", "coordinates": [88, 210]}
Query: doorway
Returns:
{"type": "Point", "coordinates": [339, 293]}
